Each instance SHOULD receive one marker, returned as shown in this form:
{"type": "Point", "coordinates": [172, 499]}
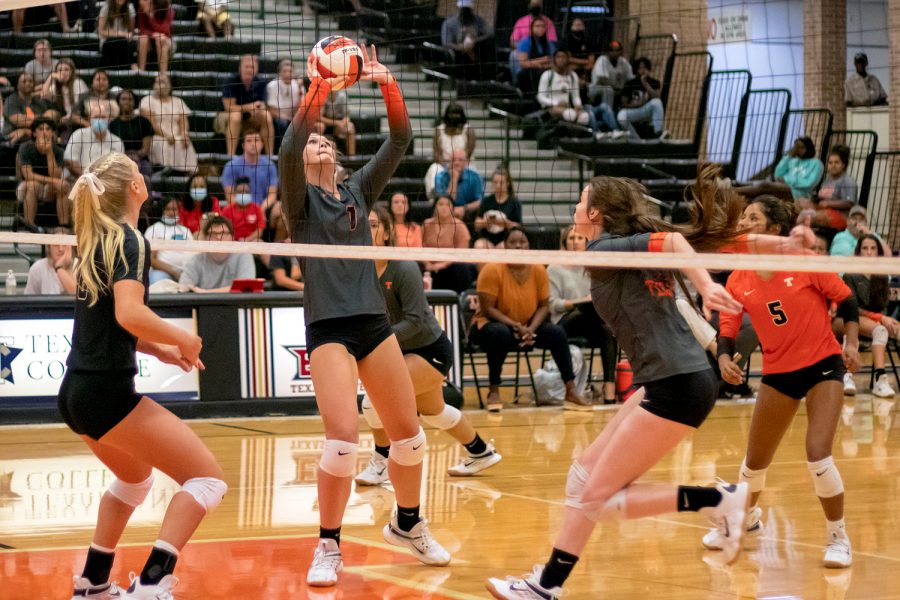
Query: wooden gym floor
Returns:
{"type": "Point", "coordinates": [259, 542]}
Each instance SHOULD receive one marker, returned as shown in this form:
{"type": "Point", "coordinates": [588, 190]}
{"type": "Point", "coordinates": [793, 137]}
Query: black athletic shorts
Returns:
{"type": "Point", "coordinates": [359, 334]}
{"type": "Point", "coordinates": [796, 384]}
{"type": "Point", "coordinates": [687, 398]}
{"type": "Point", "coordinates": [93, 402]}
{"type": "Point", "coordinates": [438, 354]}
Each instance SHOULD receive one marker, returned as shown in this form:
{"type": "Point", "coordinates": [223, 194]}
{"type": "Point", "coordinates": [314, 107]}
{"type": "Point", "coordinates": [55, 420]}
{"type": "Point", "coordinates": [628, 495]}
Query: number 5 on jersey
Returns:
{"type": "Point", "coordinates": [778, 316]}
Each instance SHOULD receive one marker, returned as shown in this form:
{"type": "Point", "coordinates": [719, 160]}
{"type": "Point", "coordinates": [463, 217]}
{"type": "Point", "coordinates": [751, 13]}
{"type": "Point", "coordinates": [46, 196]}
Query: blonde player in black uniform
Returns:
{"type": "Point", "coordinates": [429, 357]}
{"type": "Point", "coordinates": [129, 433]}
{"type": "Point", "coordinates": [348, 334]}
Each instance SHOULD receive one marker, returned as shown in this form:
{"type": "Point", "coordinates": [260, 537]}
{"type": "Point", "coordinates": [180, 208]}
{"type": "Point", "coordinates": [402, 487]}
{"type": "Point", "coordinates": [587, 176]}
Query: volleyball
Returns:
{"type": "Point", "coordinates": [338, 58]}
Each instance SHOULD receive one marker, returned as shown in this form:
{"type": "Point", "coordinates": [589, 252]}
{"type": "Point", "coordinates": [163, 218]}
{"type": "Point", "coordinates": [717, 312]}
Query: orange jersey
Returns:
{"type": "Point", "coordinates": [790, 315]}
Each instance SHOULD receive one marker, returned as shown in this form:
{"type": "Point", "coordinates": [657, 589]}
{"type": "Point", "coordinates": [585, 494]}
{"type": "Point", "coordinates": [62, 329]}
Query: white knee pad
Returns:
{"type": "Point", "coordinates": [132, 494]}
{"type": "Point", "coordinates": [409, 452]}
{"type": "Point", "coordinates": [612, 509]}
{"type": "Point", "coordinates": [339, 458]}
{"type": "Point", "coordinates": [207, 491]}
{"type": "Point", "coordinates": [880, 336]}
{"type": "Point", "coordinates": [447, 419]}
{"type": "Point", "coordinates": [583, 118]}
{"type": "Point", "coordinates": [370, 414]}
{"type": "Point", "coordinates": [569, 114]}
{"type": "Point", "coordinates": [826, 478]}
{"type": "Point", "coordinates": [756, 480]}
{"type": "Point", "coordinates": [575, 482]}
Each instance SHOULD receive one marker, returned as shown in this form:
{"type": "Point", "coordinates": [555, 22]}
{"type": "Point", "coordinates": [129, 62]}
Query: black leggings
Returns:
{"type": "Point", "coordinates": [587, 323]}
{"type": "Point", "coordinates": [498, 339]}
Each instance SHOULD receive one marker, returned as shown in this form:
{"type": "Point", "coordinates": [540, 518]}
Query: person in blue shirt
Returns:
{"type": "Point", "coordinates": [461, 183]}
{"type": "Point", "coordinates": [257, 167]}
{"type": "Point", "coordinates": [800, 169]}
{"type": "Point", "coordinates": [532, 57]}
{"type": "Point", "coordinates": [244, 98]}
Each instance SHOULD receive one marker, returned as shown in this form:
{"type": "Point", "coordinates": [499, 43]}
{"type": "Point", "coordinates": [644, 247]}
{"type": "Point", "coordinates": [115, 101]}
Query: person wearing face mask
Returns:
{"type": "Point", "coordinates": [196, 204]}
{"type": "Point", "coordinates": [451, 135]}
{"type": "Point", "coordinates": [213, 272]}
{"type": "Point", "coordinates": [471, 40]}
{"type": "Point", "coordinates": [246, 216]}
{"type": "Point", "coordinates": [167, 264]}
{"type": "Point", "coordinates": [89, 144]}
{"type": "Point", "coordinates": [581, 53]}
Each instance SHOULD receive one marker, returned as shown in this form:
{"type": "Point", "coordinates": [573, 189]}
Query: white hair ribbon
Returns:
{"type": "Point", "coordinates": [93, 183]}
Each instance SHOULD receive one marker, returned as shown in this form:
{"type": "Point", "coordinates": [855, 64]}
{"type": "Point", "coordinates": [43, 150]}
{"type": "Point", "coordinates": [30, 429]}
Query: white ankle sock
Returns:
{"type": "Point", "coordinates": [100, 548]}
{"type": "Point", "coordinates": [163, 545]}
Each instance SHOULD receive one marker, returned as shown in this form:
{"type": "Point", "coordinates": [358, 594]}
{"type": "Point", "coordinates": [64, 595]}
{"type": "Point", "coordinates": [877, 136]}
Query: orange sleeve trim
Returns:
{"type": "Point", "coordinates": [872, 315]}
{"type": "Point", "coordinates": [656, 241]}
{"type": "Point", "coordinates": [740, 245]}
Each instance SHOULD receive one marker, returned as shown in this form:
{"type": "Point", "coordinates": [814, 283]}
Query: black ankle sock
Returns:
{"type": "Point", "coordinates": [160, 564]}
{"type": "Point", "coordinates": [692, 498]}
{"type": "Point", "coordinates": [330, 534]}
{"type": "Point", "coordinates": [557, 569]}
{"type": "Point", "coordinates": [383, 450]}
{"type": "Point", "coordinates": [879, 373]}
{"type": "Point", "coordinates": [407, 517]}
{"type": "Point", "coordinates": [476, 447]}
{"type": "Point", "coordinates": [98, 565]}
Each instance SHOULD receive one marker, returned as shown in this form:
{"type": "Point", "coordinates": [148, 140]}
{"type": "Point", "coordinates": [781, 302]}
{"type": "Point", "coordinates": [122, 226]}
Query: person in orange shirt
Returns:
{"type": "Point", "coordinates": [248, 218]}
{"type": "Point", "coordinates": [801, 357]}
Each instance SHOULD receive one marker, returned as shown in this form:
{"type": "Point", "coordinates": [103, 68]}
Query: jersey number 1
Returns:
{"type": "Point", "coordinates": [778, 316]}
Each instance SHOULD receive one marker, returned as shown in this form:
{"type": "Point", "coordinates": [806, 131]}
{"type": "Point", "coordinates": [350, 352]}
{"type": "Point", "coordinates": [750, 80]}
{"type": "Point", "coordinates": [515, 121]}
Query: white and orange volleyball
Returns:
{"type": "Point", "coordinates": [338, 58]}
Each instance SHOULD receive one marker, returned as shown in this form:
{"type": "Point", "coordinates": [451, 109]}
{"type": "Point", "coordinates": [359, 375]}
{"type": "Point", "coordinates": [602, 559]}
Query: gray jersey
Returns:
{"type": "Point", "coordinates": [639, 306]}
{"type": "Point", "coordinates": [338, 287]}
{"type": "Point", "coordinates": [404, 295]}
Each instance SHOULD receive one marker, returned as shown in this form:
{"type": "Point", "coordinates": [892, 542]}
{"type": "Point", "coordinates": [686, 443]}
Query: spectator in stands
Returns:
{"type": "Point", "coordinates": [608, 78]}
{"type": "Point", "coordinates": [844, 243]}
{"type": "Point", "coordinates": [558, 91]}
{"type": "Point", "coordinates": [285, 272]}
{"type": "Point", "coordinates": [215, 18]}
{"type": "Point", "coordinates": [115, 30]}
{"type": "Point", "coordinates": [335, 120]}
{"type": "Point", "coordinates": [800, 170]}
{"type": "Point", "coordinates": [247, 218]}
{"type": "Point", "coordinates": [43, 64]}
{"type": "Point", "coordinates": [862, 88]}
{"type": "Point", "coordinates": [171, 146]}
{"type": "Point", "coordinates": [20, 110]}
{"type": "Point", "coordinates": [408, 233]}
{"type": "Point", "coordinates": [641, 103]}
{"type": "Point", "coordinates": [208, 272]}
{"type": "Point", "coordinates": [533, 56]}
{"type": "Point", "coordinates": [54, 274]}
{"type": "Point", "coordinates": [62, 90]}
{"type": "Point", "coordinates": [513, 306]}
{"type": "Point", "coordinates": [41, 164]}
{"type": "Point", "coordinates": [258, 168]}
{"type": "Point", "coordinates": [197, 203]}
{"type": "Point", "coordinates": [499, 212]}
{"type": "Point", "coordinates": [522, 26]}
{"type": "Point", "coordinates": [452, 133]}
{"type": "Point", "coordinates": [18, 18]}
{"type": "Point", "coordinates": [154, 22]}
{"type": "Point", "coordinates": [581, 51]}
{"type": "Point", "coordinates": [90, 143]}
{"type": "Point", "coordinates": [99, 92]}
{"type": "Point", "coordinates": [244, 97]}
{"type": "Point", "coordinates": [443, 230]}
{"type": "Point", "coordinates": [836, 195]}
{"type": "Point", "coordinates": [135, 131]}
{"type": "Point", "coordinates": [283, 95]}
{"type": "Point", "coordinates": [571, 308]}
{"type": "Point", "coordinates": [463, 184]}
{"type": "Point", "coordinates": [168, 264]}
{"type": "Point", "coordinates": [822, 243]}
{"type": "Point", "coordinates": [472, 41]}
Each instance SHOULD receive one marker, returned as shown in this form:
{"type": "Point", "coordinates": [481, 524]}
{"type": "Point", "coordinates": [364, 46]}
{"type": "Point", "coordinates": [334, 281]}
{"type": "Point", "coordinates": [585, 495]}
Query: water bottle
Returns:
{"type": "Point", "coordinates": [10, 283]}
{"type": "Point", "coordinates": [426, 280]}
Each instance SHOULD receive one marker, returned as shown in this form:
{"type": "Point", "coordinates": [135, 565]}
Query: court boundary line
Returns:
{"type": "Point", "coordinates": [374, 572]}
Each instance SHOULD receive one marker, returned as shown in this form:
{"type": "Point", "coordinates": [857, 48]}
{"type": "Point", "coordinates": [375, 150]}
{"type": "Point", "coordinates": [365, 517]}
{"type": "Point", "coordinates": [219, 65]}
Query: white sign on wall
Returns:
{"type": "Point", "coordinates": [729, 24]}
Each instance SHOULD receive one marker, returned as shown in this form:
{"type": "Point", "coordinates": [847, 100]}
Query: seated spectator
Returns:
{"type": "Point", "coordinates": [55, 274]}
{"type": "Point", "coordinates": [283, 95]}
{"type": "Point", "coordinates": [558, 91]}
{"type": "Point", "coordinates": [135, 131]}
{"type": "Point", "coordinates": [836, 195]}
{"type": "Point", "coordinates": [443, 230]}
{"type": "Point", "coordinates": [452, 133]}
{"type": "Point", "coordinates": [461, 183]}
{"type": "Point", "coordinates": [20, 110]}
{"type": "Point", "coordinates": [61, 91]}
{"type": "Point", "coordinates": [247, 218]}
{"type": "Point", "coordinates": [41, 163]}
{"type": "Point", "coordinates": [822, 243]}
{"type": "Point", "coordinates": [335, 120]}
{"type": "Point", "coordinates": [581, 52]}
{"type": "Point", "coordinates": [197, 203]}
{"type": "Point", "coordinates": [154, 22]}
{"type": "Point", "coordinates": [171, 146]}
{"type": "Point", "coordinates": [608, 78]}
{"type": "Point", "coordinates": [800, 170]}
{"type": "Point", "coordinates": [168, 264]}
{"type": "Point", "coordinates": [62, 15]}
{"type": "Point", "coordinates": [115, 30]}
{"type": "Point", "coordinates": [844, 243]}
{"type": "Point", "coordinates": [522, 27]}
{"type": "Point", "coordinates": [641, 102]}
{"type": "Point", "coordinates": [499, 212]}
{"type": "Point", "coordinates": [215, 18]}
{"type": "Point", "coordinates": [90, 143]}
{"type": "Point", "coordinates": [408, 233]}
{"type": "Point", "coordinates": [472, 41]}
{"type": "Point", "coordinates": [43, 64]}
{"type": "Point", "coordinates": [872, 293]}
{"type": "Point", "coordinates": [513, 305]}
{"type": "Point", "coordinates": [285, 272]}
{"type": "Point", "coordinates": [533, 56]}
{"type": "Point", "coordinates": [862, 88]}
{"type": "Point", "coordinates": [244, 98]}
{"type": "Point", "coordinates": [572, 309]}
{"type": "Point", "coordinates": [99, 92]}
{"type": "Point", "coordinates": [209, 272]}
{"type": "Point", "coordinates": [258, 168]}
